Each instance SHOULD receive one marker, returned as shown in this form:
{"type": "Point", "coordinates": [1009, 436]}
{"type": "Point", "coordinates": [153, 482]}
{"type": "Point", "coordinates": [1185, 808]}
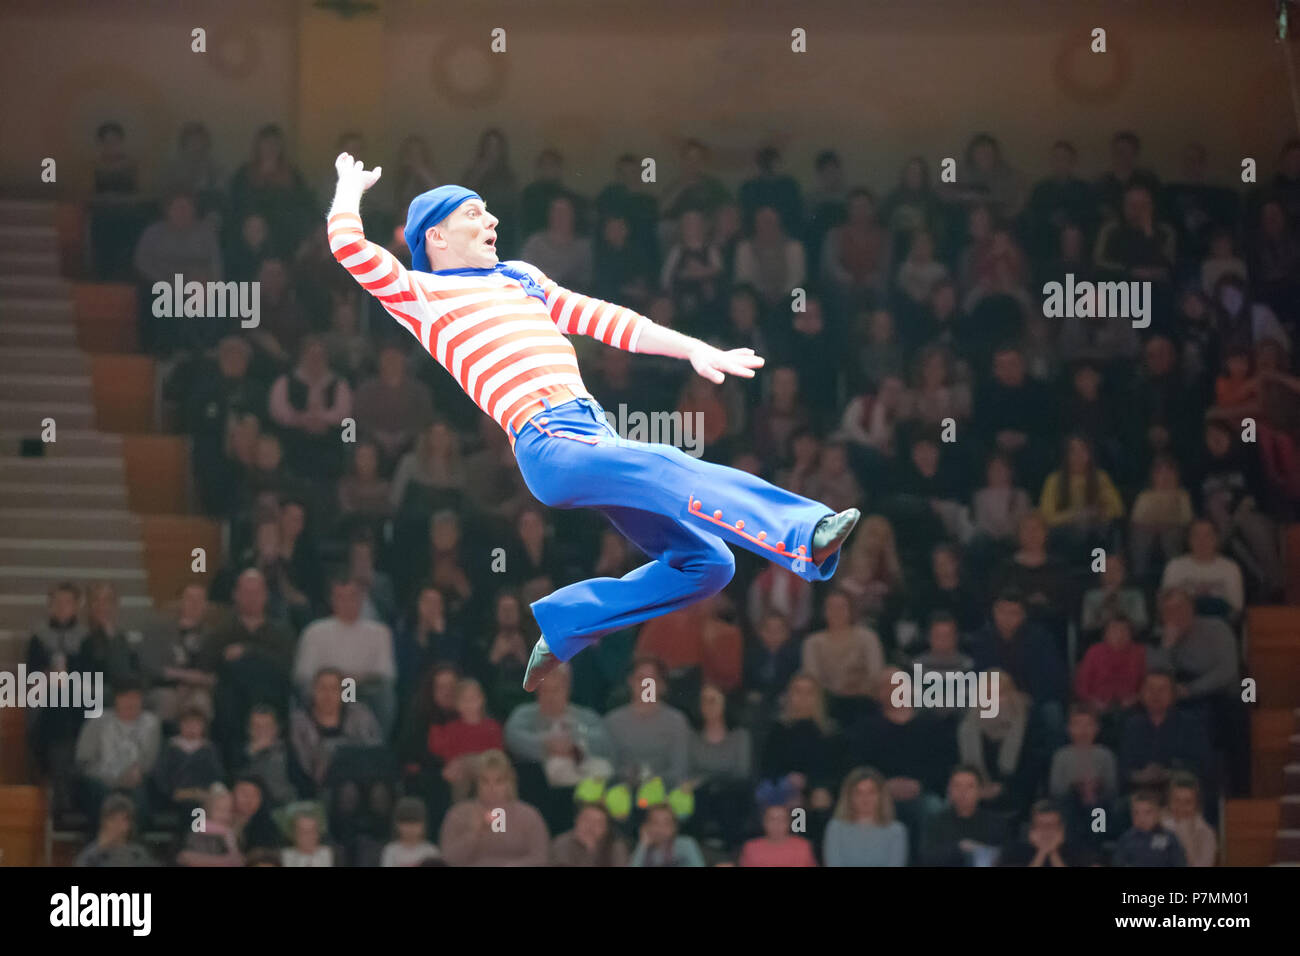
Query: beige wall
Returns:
{"type": "Point", "coordinates": [881, 80]}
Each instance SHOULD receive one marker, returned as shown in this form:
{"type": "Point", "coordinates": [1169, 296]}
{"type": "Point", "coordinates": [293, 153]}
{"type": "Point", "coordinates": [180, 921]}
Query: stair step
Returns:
{"type": "Point", "coordinates": [29, 240]}
{"type": "Point", "coordinates": [36, 335]}
{"type": "Point", "coordinates": [23, 579]}
{"type": "Point", "coordinates": [68, 522]}
{"type": "Point", "coordinates": [35, 287]}
{"type": "Point", "coordinates": [63, 494]}
{"type": "Point", "coordinates": [68, 443]}
{"type": "Point", "coordinates": [31, 414]}
{"type": "Point", "coordinates": [67, 468]}
{"type": "Point", "coordinates": [56, 553]}
{"type": "Point", "coordinates": [28, 212]}
{"type": "Point", "coordinates": [34, 388]}
{"type": "Point", "coordinates": [19, 613]}
{"type": "Point", "coordinates": [18, 308]}
{"type": "Point", "coordinates": [28, 263]}
{"type": "Point", "coordinates": [65, 360]}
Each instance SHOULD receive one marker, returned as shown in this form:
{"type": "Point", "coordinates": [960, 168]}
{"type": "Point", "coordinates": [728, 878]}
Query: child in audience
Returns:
{"type": "Point", "coordinates": [307, 849]}
{"type": "Point", "coordinates": [1148, 843]}
{"type": "Point", "coordinates": [1184, 818]}
{"type": "Point", "coordinates": [411, 848]}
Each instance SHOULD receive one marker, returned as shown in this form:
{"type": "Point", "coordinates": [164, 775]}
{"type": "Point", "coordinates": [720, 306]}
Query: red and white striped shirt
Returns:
{"type": "Point", "coordinates": [503, 346]}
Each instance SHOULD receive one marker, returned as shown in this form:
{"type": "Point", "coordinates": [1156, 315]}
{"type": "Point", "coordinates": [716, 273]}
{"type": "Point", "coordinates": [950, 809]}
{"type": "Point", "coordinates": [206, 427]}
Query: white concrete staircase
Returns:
{"type": "Point", "coordinates": [63, 512]}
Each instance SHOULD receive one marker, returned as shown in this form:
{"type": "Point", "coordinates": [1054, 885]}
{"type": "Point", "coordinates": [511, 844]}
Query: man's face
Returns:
{"type": "Point", "coordinates": [1182, 803]}
{"type": "Point", "coordinates": [128, 705]}
{"type": "Point", "coordinates": [1008, 616]}
{"type": "Point", "coordinates": [1137, 207]}
{"type": "Point", "coordinates": [1145, 815]}
{"type": "Point", "coordinates": [464, 240]}
{"type": "Point", "coordinates": [943, 638]}
{"type": "Point", "coordinates": [1009, 369]}
{"type": "Point", "coordinates": [63, 606]}
{"type": "Point", "coordinates": [250, 595]}
{"type": "Point", "coordinates": [1158, 694]}
{"type": "Point", "coordinates": [194, 603]}
{"type": "Point", "coordinates": [345, 601]}
{"type": "Point", "coordinates": [963, 793]}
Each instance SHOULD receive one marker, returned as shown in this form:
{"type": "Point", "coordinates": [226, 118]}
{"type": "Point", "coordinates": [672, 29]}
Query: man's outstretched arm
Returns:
{"type": "Point", "coordinates": [578, 314]}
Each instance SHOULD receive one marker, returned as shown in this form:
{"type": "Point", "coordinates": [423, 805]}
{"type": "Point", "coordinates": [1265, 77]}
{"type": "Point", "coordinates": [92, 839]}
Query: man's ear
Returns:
{"type": "Point", "coordinates": [432, 234]}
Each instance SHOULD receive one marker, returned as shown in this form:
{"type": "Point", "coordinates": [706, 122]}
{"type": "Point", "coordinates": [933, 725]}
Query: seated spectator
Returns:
{"type": "Point", "coordinates": [272, 185]}
{"type": "Point", "coordinates": [778, 590]}
{"type": "Point", "coordinates": [247, 245]}
{"type": "Point", "coordinates": [494, 827]}
{"type": "Point", "coordinates": [994, 744]}
{"type": "Point", "coordinates": [319, 731]}
{"type": "Point", "coordinates": [1213, 578]}
{"type": "Point", "coordinates": [780, 417]}
{"type": "Point", "coordinates": [363, 494]}
{"type": "Point", "coordinates": [182, 681]}
{"type": "Point", "coordinates": [692, 270]}
{"type": "Point", "coordinates": [1016, 413]}
{"type": "Point", "coordinates": [534, 555]}
{"type": "Point", "coordinates": [1137, 247]}
{"type": "Point", "coordinates": [1161, 516]}
{"type": "Point", "coordinates": [1159, 739]}
{"type": "Point", "coordinates": [179, 244]}
{"type": "Point", "coordinates": [661, 845]}
{"type": "Point", "coordinates": [430, 472]}
{"type": "Point", "coordinates": [1092, 411]}
{"type": "Point", "coordinates": [863, 831]}
{"type": "Point", "coordinates": [471, 733]}
{"type": "Point", "coordinates": [999, 506]}
{"type": "Point", "coordinates": [434, 703]}
{"type": "Point", "coordinates": [255, 829]}
{"type": "Point", "coordinates": [778, 846]}
{"type": "Point", "coordinates": [1184, 819]}
{"type": "Point", "coordinates": [1030, 656]}
{"type": "Point", "coordinates": [920, 273]}
{"type": "Point", "coordinates": [1084, 775]}
{"type": "Point", "coordinates": [216, 843]}
{"type": "Point", "coordinates": [926, 501]}
{"type": "Point", "coordinates": [881, 358]}
{"type": "Point", "coordinates": [505, 654]}
{"type": "Point", "coordinates": [1221, 260]}
{"type": "Point", "coordinates": [941, 654]}
{"type": "Point", "coordinates": [251, 657]}
{"type": "Point", "coordinates": [189, 765]}
{"type": "Point", "coordinates": [266, 758]}
{"type": "Point", "coordinates": [359, 649]}
{"type": "Point", "coordinates": [624, 270]}
{"type": "Point", "coordinates": [1033, 571]}
{"type": "Point", "coordinates": [770, 261]}
{"type": "Point", "coordinates": [193, 170]}
{"type": "Point", "coordinates": [1079, 500]}
{"type": "Point", "coordinates": [696, 639]}
{"type": "Point", "coordinates": [846, 657]}
{"type": "Point", "coordinates": [117, 752]}
{"type": "Point", "coordinates": [593, 841]}
{"type": "Point", "coordinates": [113, 846]}
{"type": "Point", "coordinates": [963, 833]}
{"type": "Point", "coordinates": [722, 770]}
{"type": "Point", "coordinates": [379, 597]}
{"type": "Point", "coordinates": [1046, 843]}
{"type": "Point", "coordinates": [855, 257]}
{"type": "Point", "coordinates": [428, 640]}
{"type": "Point", "coordinates": [1200, 651]}
{"type": "Point", "coordinates": [307, 848]}
{"type": "Point", "coordinates": [309, 405]}
{"type": "Point", "coordinates": [55, 647]}
{"type": "Point", "coordinates": [109, 647]}
{"type": "Point", "coordinates": [872, 573]}
{"type": "Point", "coordinates": [1109, 677]}
{"type": "Point", "coordinates": [948, 592]}
{"type": "Point", "coordinates": [771, 661]}
{"type": "Point", "coordinates": [562, 254]}
{"type": "Point", "coordinates": [392, 409]}
{"type": "Point", "coordinates": [411, 846]}
{"type": "Point", "coordinates": [833, 481]}
{"type": "Point", "coordinates": [1113, 597]}
{"type": "Point", "coordinates": [1148, 843]}
{"type": "Point", "coordinates": [804, 746]}
{"type": "Point", "coordinates": [567, 741]}
{"type": "Point", "coordinates": [651, 738]}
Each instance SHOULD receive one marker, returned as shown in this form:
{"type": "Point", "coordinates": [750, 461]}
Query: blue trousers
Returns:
{"type": "Point", "coordinates": [681, 511]}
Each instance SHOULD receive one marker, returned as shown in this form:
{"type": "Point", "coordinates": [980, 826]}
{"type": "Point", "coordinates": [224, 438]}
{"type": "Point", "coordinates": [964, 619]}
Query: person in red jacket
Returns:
{"type": "Point", "coordinates": [1111, 673]}
{"type": "Point", "coordinates": [472, 732]}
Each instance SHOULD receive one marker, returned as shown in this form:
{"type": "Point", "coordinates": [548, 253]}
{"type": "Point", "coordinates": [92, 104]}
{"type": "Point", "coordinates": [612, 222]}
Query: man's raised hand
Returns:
{"type": "Point", "coordinates": [715, 364]}
{"type": "Point", "coordinates": [353, 174]}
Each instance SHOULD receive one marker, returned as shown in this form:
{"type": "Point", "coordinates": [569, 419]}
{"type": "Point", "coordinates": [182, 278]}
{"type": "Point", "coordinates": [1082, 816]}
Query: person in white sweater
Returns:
{"type": "Point", "coordinates": [1183, 816]}
{"type": "Point", "coordinates": [1206, 572]}
{"type": "Point", "coordinates": [359, 649]}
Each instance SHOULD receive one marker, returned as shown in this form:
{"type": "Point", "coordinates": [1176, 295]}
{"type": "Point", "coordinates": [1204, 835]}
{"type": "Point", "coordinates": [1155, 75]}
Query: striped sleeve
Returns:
{"type": "Point", "coordinates": [377, 270]}
{"type": "Point", "coordinates": [578, 314]}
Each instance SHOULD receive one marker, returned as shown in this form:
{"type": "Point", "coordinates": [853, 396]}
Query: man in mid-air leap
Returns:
{"type": "Point", "coordinates": [499, 328]}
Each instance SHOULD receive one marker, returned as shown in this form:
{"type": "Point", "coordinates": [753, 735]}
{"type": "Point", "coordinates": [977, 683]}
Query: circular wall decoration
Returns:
{"type": "Point", "coordinates": [234, 53]}
{"type": "Point", "coordinates": [468, 76]}
{"type": "Point", "coordinates": [1082, 89]}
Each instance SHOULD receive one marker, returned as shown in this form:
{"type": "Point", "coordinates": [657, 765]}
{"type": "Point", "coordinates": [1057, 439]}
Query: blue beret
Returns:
{"type": "Point", "coordinates": [429, 209]}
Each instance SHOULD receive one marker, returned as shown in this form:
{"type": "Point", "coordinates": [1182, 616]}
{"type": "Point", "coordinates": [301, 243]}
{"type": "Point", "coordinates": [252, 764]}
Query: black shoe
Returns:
{"type": "Point", "coordinates": [830, 533]}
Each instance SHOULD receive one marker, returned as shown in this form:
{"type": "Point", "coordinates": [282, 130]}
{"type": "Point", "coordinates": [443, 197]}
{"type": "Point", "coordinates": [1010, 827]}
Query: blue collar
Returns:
{"type": "Point", "coordinates": [531, 286]}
